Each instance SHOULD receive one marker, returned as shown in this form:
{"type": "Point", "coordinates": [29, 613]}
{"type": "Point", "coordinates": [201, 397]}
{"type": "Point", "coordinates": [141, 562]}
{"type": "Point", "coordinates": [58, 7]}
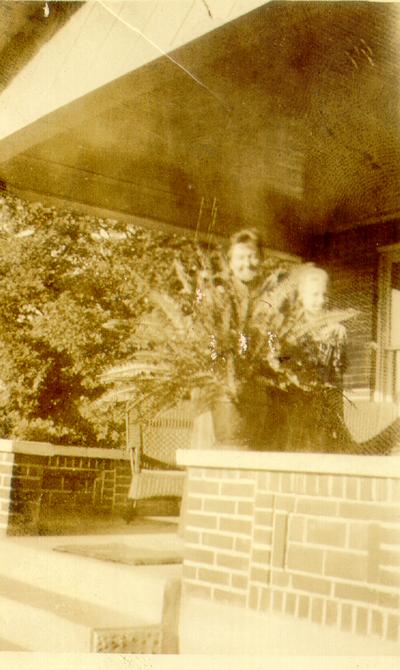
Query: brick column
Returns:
{"type": "Point", "coordinates": [6, 469]}
{"type": "Point", "coordinates": [310, 537]}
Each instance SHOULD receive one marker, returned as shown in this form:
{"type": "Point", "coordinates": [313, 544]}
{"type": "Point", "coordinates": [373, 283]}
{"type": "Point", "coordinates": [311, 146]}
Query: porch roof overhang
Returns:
{"type": "Point", "coordinates": [212, 115]}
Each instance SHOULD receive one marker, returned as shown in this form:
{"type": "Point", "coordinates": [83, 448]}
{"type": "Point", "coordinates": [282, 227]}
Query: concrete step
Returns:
{"type": "Point", "coordinates": [60, 602]}
{"type": "Point", "coordinates": [49, 622]}
{"type": "Point", "coordinates": [122, 588]}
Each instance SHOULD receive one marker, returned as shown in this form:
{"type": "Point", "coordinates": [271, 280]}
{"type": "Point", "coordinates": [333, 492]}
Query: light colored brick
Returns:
{"type": "Point", "coordinates": [361, 620]}
{"type": "Point", "coordinates": [262, 556]}
{"type": "Point", "coordinates": [201, 521]}
{"type": "Point", "coordinates": [355, 593]}
{"type": "Point", "coordinates": [275, 481]}
{"type": "Point", "coordinates": [317, 610]}
{"type": "Point", "coordinates": [305, 559]}
{"type": "Point", "coordinates": [390, 535]}
{"type": "Point", "coordinates": [346, 621]}
{"type": "Point", "coordinates": [297, 526]}
{"type": "Point", "coordinates": [381, 489]}
{"type": "Point", "coordinates": [198, 555]}
{"type": "Point", "coordinates": [352, 488]}
{"type": "Point", "coordinates": [235, 525]}
{"type": "Point", "coordinates": [299, 483]}
{"type": "Point", "coordinates": [366, 488]}
{"type": "Point", "coordinates": [192, 536]}
{"type": "Point", "coordinates": [207, 488]}
{"type": "Point", "coordinates": [290, 603]}
{"type": "Point", "coordinates": [311, 484]}
{"type": "Point", "coordinates": [346, 566]}
{"type": "Point", "coordinates": [253, 597]}
{"type": "Point", "coordinates": [311, 584]}
{"type": "Point", "coordinates": [213, 576]}
{"type": "Point", "coordinates": [285, 503]}
{"type": "Point", "coordinates": [265, 600]}
{"type": "Point", "coordinates": [323, 485]}
{"type": "Point", "coordinates": [242, 545]}
{"type": "Point", "coordinates": [326, 532]}
{"type": "Point", "coordinates": [389, 578]}
{"type": "Point", "coordinates": [395, 490]}
{"type": "Point", "coordinates": [245, 509]}
{"type": "Point", "coordinates": [279, 539]}
{"type": "Point", "coordinates": [263, 518]}
{"type": "Point", "coordinates": [393, 623]}
{"type": "Point", "coordinates": [304, 607]}
{"type": "Point", "coordinates": [388, 600]}
{"type": "Point", "coordinates": [370, 512]}
{"type": "Point", "coordinates": [234, 562]}
{"type": "Point", "coordinates": [358, 536]}
{"type": "Point", "coordinates": [316, 507]}
{"type": "Point", "coordinates": [6, 468]}
{"type": "Point", "coordinates": [262, 480]}
{"type": "Point", "coordinates": [286, 482]}
{"type": "Point", "coordinates": [219, 506]}
{"type": "Point", "coordinates": [280, 578]}
{"type": "Point", "coordinates": [337, 487]}
{"type": "Point", "coordinates": [194, 504]}
{"type": "Point", "coordinates": [264, 501]}
{"type": "Point", "coordinates": [391, 558]}
{"type": "Point", "coordinates": [331, 613]}
{"type": "Point", "coordinates": [238, 490]}
{"type": "Point", "coordinates": [217, 540]}
{"type": "Point", "coordinates": [377, 623]}
{"type": "Point", "coordinates": [249, 475]}
{"type": "Point", "coordinates": [262, 536]}
{"type": "Point", "coordinates": [221, 474]}
{"type": "Point", "coordinates": [277, 600]}
{"type": "Point", "coordinates": [239, 581]}
{"type": "Point", "coordinates": [260, 575]}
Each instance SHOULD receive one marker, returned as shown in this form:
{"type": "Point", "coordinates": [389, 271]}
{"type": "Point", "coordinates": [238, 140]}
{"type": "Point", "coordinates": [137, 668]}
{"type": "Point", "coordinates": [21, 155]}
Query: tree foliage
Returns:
{"type": "Point", "coordinates": [73, 289]}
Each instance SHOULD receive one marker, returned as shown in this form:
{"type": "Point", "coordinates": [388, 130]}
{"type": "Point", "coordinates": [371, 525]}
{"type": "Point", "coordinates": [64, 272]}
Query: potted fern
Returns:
{"type": "Point", "coordinates": [197, 344]}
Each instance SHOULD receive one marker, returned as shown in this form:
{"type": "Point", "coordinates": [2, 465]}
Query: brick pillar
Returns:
{"type": "Point", "coordinates": [6, 469]}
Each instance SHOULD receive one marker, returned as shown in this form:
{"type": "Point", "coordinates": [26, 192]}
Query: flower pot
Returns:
{"type": "Point", "coordinates": [244, 425]}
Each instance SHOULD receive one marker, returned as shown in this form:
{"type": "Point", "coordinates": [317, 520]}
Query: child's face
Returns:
{"type": "Point", "coordinates": [244, 262]}
{"type": "Point", "coordinates": [312, 294]}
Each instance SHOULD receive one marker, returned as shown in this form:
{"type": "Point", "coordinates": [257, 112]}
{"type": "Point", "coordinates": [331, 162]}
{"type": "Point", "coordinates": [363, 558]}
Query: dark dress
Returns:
{"type": "Point", "coordinates": [311, 419]}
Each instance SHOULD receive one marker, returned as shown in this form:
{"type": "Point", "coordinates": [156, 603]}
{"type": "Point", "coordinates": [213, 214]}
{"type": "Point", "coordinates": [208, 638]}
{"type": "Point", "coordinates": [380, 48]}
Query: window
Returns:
{"type": "Point", "coordinates": [388, 353]}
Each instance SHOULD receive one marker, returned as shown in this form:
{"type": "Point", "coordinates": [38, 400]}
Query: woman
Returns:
{"type": "Point", "coordinates": [318, 356]}
{"type": "Point", "coordinates": [240, 285]}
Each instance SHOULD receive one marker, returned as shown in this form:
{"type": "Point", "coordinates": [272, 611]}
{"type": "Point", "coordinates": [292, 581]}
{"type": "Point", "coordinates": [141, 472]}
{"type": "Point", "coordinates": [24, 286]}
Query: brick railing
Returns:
{"type": "Point", "coordinates": [40, 480]}
{"type": "Point", "coordinates": [314, 537]}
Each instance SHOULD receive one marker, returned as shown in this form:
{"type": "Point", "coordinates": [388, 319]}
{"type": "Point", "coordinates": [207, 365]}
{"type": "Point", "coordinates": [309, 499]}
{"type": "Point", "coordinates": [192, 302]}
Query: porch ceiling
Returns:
{"type": "Point", "coordinates": [290, 122]}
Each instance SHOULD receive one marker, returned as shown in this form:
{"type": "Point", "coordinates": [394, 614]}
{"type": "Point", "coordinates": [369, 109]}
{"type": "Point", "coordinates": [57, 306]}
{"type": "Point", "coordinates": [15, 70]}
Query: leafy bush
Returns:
{"type": "Point", "coordinates": [72, 290]}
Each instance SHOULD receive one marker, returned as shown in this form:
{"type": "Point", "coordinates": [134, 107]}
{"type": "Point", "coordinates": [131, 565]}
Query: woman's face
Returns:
{"type": "Point", "coordinates": [312, 294]}
{"type": "Point", "coordinates": [244, 262]}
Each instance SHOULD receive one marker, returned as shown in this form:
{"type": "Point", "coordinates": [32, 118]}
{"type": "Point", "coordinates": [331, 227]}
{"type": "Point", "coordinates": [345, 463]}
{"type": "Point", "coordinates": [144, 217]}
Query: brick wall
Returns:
{"type": "Point", "coordinates": [316, 546]}
{"type": "Point", "coordinates": [351, 258]}
{"type": "Point", "coordinates": [6, 468]}
{"type": "Point", "coordinates": [38, 486]}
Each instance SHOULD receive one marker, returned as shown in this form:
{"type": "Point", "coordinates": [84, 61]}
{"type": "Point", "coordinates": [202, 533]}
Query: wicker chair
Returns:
{"type": "Point", "coordinates": [152, 448]}
{"type": "Point", "coordinates": [374, 426]}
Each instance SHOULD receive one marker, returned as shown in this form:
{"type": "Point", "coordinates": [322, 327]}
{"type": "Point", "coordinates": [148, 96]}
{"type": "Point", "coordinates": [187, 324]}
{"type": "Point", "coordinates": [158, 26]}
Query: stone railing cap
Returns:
{"type": "Point", "coordinates": [371, 466]}
{"type": "Point", "coordinates": [48, 449]}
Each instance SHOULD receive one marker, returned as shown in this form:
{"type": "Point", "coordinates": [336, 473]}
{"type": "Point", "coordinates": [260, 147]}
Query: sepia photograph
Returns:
{"type": "Point", "coordinates": [199, 334]}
